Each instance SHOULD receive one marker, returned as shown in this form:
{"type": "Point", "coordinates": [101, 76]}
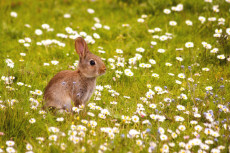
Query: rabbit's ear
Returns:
{"type": "Point", "coordinates": [81, 47]}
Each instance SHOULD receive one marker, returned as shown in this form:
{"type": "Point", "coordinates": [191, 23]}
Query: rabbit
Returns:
{"type": "Point", "coordinates": [75, 87]}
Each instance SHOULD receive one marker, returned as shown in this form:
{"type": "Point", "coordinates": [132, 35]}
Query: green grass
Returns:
{"type": "Point", "coordinates": [14, 119]}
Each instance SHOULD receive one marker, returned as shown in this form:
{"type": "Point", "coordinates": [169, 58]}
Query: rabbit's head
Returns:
{"type": "Point", "coordinates": [89, 65]}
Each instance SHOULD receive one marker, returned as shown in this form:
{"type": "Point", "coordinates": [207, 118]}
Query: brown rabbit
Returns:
{"type": "Point", "coordinates": [75, 86]}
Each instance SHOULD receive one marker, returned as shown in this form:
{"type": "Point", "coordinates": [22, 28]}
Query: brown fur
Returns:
{"type": "Point", "coordinates": [74, 86]}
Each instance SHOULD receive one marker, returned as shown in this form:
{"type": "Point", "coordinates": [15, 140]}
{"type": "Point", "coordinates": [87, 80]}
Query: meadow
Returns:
{"type": "Point", "coordinates": [166, 89]}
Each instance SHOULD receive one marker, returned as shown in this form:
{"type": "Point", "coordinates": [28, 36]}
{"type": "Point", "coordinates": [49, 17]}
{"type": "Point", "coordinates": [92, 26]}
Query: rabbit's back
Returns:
{"type": "Point", "coordinates": [57, 91]}
{"type": "Point", "coordinates": [66, 87]}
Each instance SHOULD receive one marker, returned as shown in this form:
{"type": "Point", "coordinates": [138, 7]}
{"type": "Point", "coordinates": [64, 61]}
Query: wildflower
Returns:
{"type": "Point", "coordinates": [60, 119]}
{"type": "Point", "coordinates": [179, 59]}
{"type": "Point", "coordinates": [153, 43]}
{"type": "Point", "coordinates": [20, 83]}
{"type": "Point", "coordinates": [193, 122]}
{"type": "Point", "coordinates": [145, 122]}
{"type": "Point", "coordinates": [140, 20]}
{"type": "Point", "coordinates": [197, 115]}
{"type": "Point", "coordinates": [178, 82]}
{"type": "Point", "coordinates": [148, 65]}
{"type": "Point", "coordinates": [160, 50]}
{"type": "Point", "coordinates": [53, 129]}
{"type": "Point", "coordinates": [54, 62]}
{"type": "Point", "coordinates": [204, 147]}
{"type": "Point", "coordinates": [21, 41]}
{"type": "Point", "coordinates": [221, 57]}
{"type": "Point", "coordinates": [53, 137]}
{"type": "Point", "coordinates": [168, 64]}
{"type": "Point", "coordinates": [38, 92]}
{"type": "Point", "coordinates": [76, 109]}
{"type": "Point", "coordinates": [119, 51]}
{"type": "Point", "coordinates": [10, 143]}
{"type": "Point", "coordinates": [139, 142]}
{"type": "Point", "coordinates": [29, 146]}
{"type": "Point", "coordinates": [165, 148]}
{"type": "Point", "coordinates": [182, 144]}
{"type": "Point", "coordinates": [26, 44]}
{"type": "Point", "coordinates": [150, 94]}
{"type": "Point", "coordinates": [161, 130]}
{"type": "Point", "coordinates": [90, 114]}
{"type": "Point", "coordinates": [172, 23]}
{"type": "Point", "coordinates": [23, 54]}
{"type": "Point", "coordinates": [179, 118]}
{"type": "Point", "coordinates": [97, 36]}
{"type": "Point", "coordinates": [174, 135]}
{"type": "Point", "coordinates": [67, 16]}
{"type": "Point", "coordinates": [98, 25]}
{"type": "Point", "coordinates": [10, 150]}
{"type": "Point", "coordinates": [140, 49]}
{"type": "Point", "coordinates": [163, 38]}
{"type": "Point", "coordinates": [63, 146]}
{"type": "Point", "coordinates": [188, 22]}
{"type": "Point", "coordinates": [151, 31]}
{"type": "Point", "coordinates": [90, 11]}
{"type": "Point", "coordinates": [93, 124]}
{"type": "Point", "coordinates": [218, 31]}
{"type": "Point", "coordinates": [32, 120]}
{"type": "Point", "coordinates": [208, 88]}
{"type": "Point", "coordinates": [163, 137]}
{"type": "Point", "coordinates": [152, 106]}
{"type": "Point", "coordinates": [144, 16]}
{"type": "Point", "coordinates": [228, 31]}
{"type": "Point", "coordinates": [181, 127]}
{"type": "Point", "coordinates": [181, 75]}
{"type": "Point", "coordinates": [202, 19]}
{"type": "Point", "coordinates": [105, 111]}
{"type": "Point", "coordinates": [158, 89]}
{"type": "Point", "coordinates": [214, 50]}
{"type": "Point", "coordinates": [184, 96]}
{"type": "Point", "coordinates": [101, 116]}
{"type": "Point", "coordinates": [40, 139]}
{"type": "Point", "coordinates": [133, 133]}
{"type": "Point", "coordinates": [157, 29]}
{"type": "Point", "coordinates": [96, 19]}
{"type": "Point", "coordinates": [38, 32]}
{"type": "Point", "coordinates": [45, 26]}
{"type": "Point", "coordinates": [106, 27]}
{"type": "Point", "coordinates": [152, 61]}
{"type": "Point", "coordinates": [212, 19]}
{"type": "Point", "coordinates": [120, 64]}
{"type": "Point", "coordinates": [205, 69]}
{"type": "Point", "coordinates": [142, 65]}
{"type": "Point", "coordinates": [125, 25]}
{"type": "Point", "coordinates": [180, 107]}
{"type": "Point", "coordinates": [189, 45]}
{"type": "Point", "coordinates": [138, 56]}
{"type": "Point", "coordinates": [167, 11]}
{"type": "Point", "coordinates": [155, 75]}
{"type": "Point", "coordinates": [10, 63]}
{"type": "Point", "coordinates": [13, 14]}
{"type": "Point", "coordinates": [128, 72]}
{"type": "Point", "coordinates": [135, 118]}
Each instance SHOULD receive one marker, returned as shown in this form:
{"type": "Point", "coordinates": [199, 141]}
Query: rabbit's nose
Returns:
{"type": "Point", "coordinates": [103, 69]}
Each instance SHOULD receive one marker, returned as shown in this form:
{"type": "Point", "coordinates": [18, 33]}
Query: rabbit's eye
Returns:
{"type": "Point", "coordinates": [92, 62]}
